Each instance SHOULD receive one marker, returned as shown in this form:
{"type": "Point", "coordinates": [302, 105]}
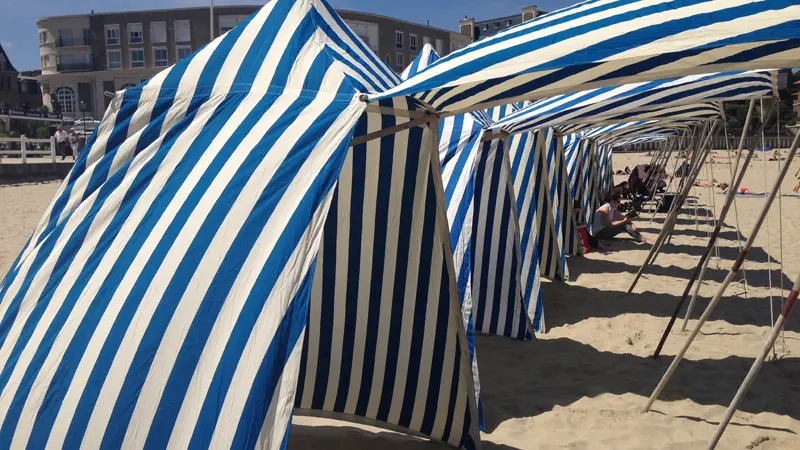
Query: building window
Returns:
{"type": "Point", "coordinates": [486, 28]}
{"type": "Point", "coordinates": [398, 39]}
{"type": "Point", "coordinates": [412, 41]}
{"type": "Point", "coordinates": [439, 46]}
{"type": "Point", "coordinates": [42, 37]}
{"type": "Point", "coordinates": [426, 40]}
{"type": "Point", "coordinates": [135, 33]}
{"type": "Point", "coordinates": [182, 33]}
{"type": "Point", "coordinates": [158, 32]}
{"type": "Point", "coordinates": [398, 60]}
{"type": "Point", "coordinates": [228, 23]}
{"type": "Point", "coordinates": [160, 58]}
{"type": "Point", "coordinates": [45, 61]}
{"type": "Point", "coordinates": [387, 59]}
{"type": "Point", "coordinates": [508, 23]}
{"type": "Point", "coordinates": [87, 36]}
{"type": "Point", "coordinates": [497, 25]}
{"type": "Point", "coordinates": [65, 38]}
{"type": "Point", "coordinates": [65, 97]}
{"type": "Point", "coordinates": [114, 59]}
{"type": "Point", "coordinates": [183, 51]}
{"type": "Point", "coordinates": [137, 57]}
{"type": "Point", "coordinates": [112, 34]}
{"type": "Point", "coordinates": [127, 86]}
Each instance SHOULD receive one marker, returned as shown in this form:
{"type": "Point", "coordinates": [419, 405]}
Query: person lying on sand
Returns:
{"type": "Point", "coordinates": [608, 222]}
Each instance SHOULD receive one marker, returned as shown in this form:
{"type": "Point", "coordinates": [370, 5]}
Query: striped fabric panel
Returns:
{"type": "Point", "coordinates": [590, 199]}
{"type": "Point", "coordinates": [536, 216]}
{"type": "Point", "coordinates": [179, 254]}
{"type": "Point", "coordinates": [385, 333]}
{"type": "Point", "coordinates": [574, 149]}
{"type": "Point", "coordinates": [424, 59]}
{"type": "Point", "coordinates": [530, 187]}
{"type": "Point", "coordinates": [459, 138]}
{"type": "Point", "coordinates": [560, 198]}
{"type": "Point", "coordinates": [496, 289]}
{"type": "Point", "coordinates": [612, 105]}
{"type": "Point", "coordinates": [594, 44]}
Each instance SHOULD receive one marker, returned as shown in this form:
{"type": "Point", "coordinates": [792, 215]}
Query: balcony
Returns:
{"type": "Point", "coordinates": [82, 66]}
{"type": "Point", "coordinates": [66, 42]}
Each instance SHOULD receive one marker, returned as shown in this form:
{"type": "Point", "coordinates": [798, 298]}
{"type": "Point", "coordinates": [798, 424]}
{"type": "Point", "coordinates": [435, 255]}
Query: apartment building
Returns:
{"type": "Point", "coordinates": [84, 56]}
{"type": "Point", "coordinates": [480, 29]}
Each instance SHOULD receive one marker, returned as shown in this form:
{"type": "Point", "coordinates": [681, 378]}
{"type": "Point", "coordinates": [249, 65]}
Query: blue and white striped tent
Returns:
{"type": "Point", "coordinates": [611, 105]}
{"type": "Point", "coordinates": [595, 44]}
{"type": "Point", "coordinates": [169, 296]}
{"type": "Point", "coordinates": [662, 99]}
{"type": "Point", "coordinates": [484, 228]}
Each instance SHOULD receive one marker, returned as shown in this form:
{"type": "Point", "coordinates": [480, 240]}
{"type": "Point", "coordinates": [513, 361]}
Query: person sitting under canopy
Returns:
{"type": "Point", "coordinates": [608, 222]}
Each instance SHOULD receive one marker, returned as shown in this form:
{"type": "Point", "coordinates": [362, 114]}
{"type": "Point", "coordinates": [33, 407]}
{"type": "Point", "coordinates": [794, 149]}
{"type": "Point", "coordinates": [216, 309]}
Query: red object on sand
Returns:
{"type": "Point", "coordinates": [743, 190]}
{"type": "Point", "coordinates": [585, 240]}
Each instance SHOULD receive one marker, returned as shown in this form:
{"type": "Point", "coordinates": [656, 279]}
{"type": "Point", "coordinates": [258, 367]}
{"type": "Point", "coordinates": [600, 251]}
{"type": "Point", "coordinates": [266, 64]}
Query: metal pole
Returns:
{"type": "Point", "coordinates": [734, 270]}
{"type": "Point", "coordinates": [211, 20]}
{"type": "Point", "coordinates": [728, 201]}
{"type": "Point", "coordinates": [751, 375]}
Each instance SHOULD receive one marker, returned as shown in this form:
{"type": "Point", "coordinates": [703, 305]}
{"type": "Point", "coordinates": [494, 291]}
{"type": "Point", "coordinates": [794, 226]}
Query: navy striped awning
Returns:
{"type": "Point", "coordinates": [625, 103]}
{"type": "Point", "coordinates": [609, 43]}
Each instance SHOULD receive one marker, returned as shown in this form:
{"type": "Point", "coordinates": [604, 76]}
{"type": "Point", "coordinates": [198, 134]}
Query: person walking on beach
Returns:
{"type": "Point", "coordinates": [608, 223]}
{"type": "Point", "coordinates": [61, 141]}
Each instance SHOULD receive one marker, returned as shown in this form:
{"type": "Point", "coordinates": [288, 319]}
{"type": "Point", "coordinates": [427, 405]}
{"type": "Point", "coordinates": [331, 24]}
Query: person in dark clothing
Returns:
{"type": "Point", "coordinates": [607, 222]}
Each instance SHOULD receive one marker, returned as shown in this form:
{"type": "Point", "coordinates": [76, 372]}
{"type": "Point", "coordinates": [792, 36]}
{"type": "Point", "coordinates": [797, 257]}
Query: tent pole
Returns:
{"type": "Point", "coordinates": [733, 271]}
{"type": "Point", "coordinates": [677, 148]}
{"type": "Point", "coordinates": [671, 219]}
{"type": "Point", "coordinates": [393, 130]}
{"type": "Point", "coordinates": [751, 375]}
{"type": "Point", "coordinates": [669, 222]}
{"type": "Point", "coordinates": [707, 252]}
{"type": "Point", "coordinates": [702, 154]}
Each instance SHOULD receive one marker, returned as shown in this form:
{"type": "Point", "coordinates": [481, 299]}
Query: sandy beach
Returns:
{"type": "Point", "coordinates": [582, 384]}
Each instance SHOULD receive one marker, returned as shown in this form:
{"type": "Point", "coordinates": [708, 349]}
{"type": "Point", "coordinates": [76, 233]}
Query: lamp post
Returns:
{"type": "Point", "coordinates": [211, 20]}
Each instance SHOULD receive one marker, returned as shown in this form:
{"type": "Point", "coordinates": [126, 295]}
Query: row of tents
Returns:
{"type": "Point", "coordinates": [279, 224]}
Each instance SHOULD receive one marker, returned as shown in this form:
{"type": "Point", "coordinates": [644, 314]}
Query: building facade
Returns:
{"type": "Point", "coordinates": [85, 56]}
{"type": "Point", "coordinates": [18, 91]}
{"type": "Point", "coordinates": [480, 29]}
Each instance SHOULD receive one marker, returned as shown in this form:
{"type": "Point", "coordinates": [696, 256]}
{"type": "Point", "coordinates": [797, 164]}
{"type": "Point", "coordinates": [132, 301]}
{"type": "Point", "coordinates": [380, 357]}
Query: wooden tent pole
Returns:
{"type": "Point", "coordinates": [734, 270]}
{"type": "Point", "coordinates": [702, 154]}
{"type": "Point", "coordinates": [678, 146]}
{"type": "Point", "coordinates": [661, 236]}
{"type": "Point", "coordinates": [751, 375]}
{"type": "Point", "coordinates": [699, 269]}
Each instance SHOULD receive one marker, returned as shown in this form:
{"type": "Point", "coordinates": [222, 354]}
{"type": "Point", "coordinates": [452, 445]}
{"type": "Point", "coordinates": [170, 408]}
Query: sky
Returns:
{"type": "Point", "coordinates": [18, 33]}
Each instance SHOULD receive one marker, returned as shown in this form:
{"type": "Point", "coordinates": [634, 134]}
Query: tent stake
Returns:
{"type": "Point", "coordinates": [751, 375]}
{"type": "Point", "coordinates": [734, 270]}
{"type": "Point", "coordinates": [710, 246]}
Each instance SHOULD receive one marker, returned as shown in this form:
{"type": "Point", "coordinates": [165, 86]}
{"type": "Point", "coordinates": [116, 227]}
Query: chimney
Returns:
{"type": "Point", "coordinates": [530, 13]}
{"type": "Point", "coordinates": [467, 26]}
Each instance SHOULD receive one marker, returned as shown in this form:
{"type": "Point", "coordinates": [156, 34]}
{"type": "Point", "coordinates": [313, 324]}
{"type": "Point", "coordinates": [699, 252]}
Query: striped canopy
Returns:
{"type": "Point", "coordinates": [609, 43]}
{"type": "Point", "coordinates": [424, 59]}
{"type": "Point", "coordinates": [624, 103]}
{"type": "Point", "coordinates": [221, 256]}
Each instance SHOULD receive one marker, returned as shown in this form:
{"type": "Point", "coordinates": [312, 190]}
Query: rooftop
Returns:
{"type": "Point", "coordinates": [217, 8]}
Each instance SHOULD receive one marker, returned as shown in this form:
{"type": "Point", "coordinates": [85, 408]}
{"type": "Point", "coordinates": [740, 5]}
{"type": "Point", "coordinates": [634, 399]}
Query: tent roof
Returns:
{"type": "Point", "coordinates": [606, 43]}
{"type": "Point", "coordinates": [593, 105]}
